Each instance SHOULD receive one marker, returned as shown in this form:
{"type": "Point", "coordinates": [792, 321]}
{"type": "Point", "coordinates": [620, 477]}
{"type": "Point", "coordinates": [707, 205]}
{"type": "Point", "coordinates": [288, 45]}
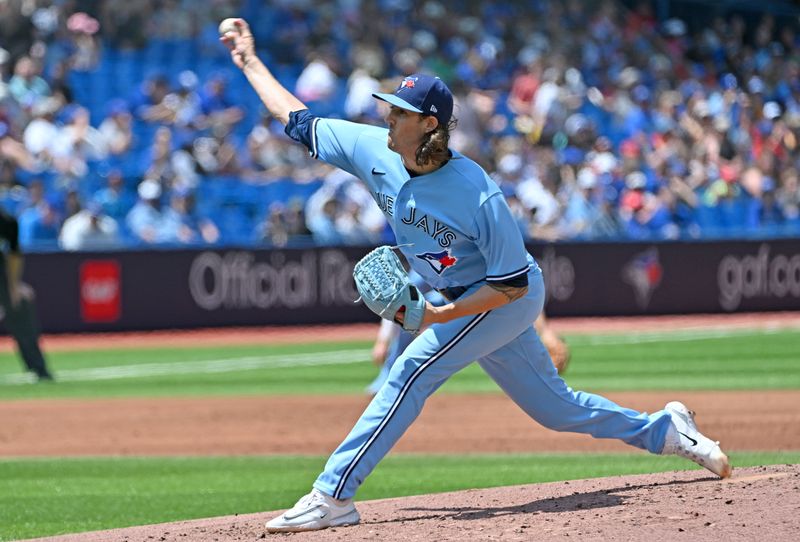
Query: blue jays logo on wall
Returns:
{"type": "Point", "coordinates": [439, 261]}
{"type": "Point", "coordinates": [644, 273]}
{"type": "Point", "coordinates": [408, 82]}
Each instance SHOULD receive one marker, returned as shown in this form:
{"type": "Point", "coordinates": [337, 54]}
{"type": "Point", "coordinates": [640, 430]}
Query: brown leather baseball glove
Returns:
{"type": "Point", "coordinates": [558, 349]}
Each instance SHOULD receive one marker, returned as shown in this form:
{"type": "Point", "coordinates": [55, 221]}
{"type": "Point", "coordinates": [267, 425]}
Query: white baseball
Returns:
{"type": "Point", "coordinates": [227, 25]}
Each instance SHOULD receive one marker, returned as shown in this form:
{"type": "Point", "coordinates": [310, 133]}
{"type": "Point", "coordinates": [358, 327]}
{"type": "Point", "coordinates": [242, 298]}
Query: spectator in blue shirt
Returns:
{"type": "Point", "coordinates": [181, 223]}
{"type": "Point", "coordinates": [215, 104]}
{"type": "Point", "coordinates": [146, 221]}
{"type": "Point", "coordinates": [114, 199]}
{"type": "Point", "coordinates": [39, 225]}
{"type": "Point", "coordinates": [26, 85]}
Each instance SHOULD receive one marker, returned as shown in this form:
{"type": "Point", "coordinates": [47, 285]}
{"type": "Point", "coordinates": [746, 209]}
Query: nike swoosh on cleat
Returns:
{"type": "Point", "coordinates": [376, 172]}
{"type": "Point", "coordinates": [694, 442]}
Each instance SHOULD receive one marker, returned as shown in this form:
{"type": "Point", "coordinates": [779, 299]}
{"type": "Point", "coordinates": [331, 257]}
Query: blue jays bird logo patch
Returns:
{"type": "Point", "coordinates": [644, 273]}
{"type": "Point", "coordinates": [439, 261]}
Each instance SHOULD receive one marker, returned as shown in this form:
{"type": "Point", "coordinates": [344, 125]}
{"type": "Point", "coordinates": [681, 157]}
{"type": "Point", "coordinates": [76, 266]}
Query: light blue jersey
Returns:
{"type": "Point", "coordinates": [453, 225]}
{"type": "Point", "coordinates": [460, 235]}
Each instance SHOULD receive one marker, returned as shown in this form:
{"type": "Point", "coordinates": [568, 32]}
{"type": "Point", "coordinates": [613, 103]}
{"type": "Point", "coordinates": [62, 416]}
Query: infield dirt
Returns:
{"type": "Point", "coordinates": [741, 420]}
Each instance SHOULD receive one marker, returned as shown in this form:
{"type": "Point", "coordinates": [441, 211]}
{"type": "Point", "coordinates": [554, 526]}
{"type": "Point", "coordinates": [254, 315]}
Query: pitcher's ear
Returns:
{"type": "Point", "coordinates": [431, 123]}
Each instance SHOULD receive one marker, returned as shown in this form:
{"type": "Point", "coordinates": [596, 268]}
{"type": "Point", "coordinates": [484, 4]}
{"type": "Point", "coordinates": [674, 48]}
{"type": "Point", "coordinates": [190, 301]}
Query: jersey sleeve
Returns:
{"type": "Point", "coordinates": [330, 140]}
{"type": "Point", "coordinates": [500, 243]}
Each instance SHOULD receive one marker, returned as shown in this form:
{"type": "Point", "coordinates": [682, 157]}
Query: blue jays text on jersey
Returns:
{"type": "Point", "coordinates": [385, 203]}
{"type": "Point", "coordinates": [440, 232]}
{"type": "Point", "coordinates": [437, 230]}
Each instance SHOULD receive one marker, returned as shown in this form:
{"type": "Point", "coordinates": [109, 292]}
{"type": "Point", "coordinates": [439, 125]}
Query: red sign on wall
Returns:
{"type": "Point", "coordinates": [100, 287]}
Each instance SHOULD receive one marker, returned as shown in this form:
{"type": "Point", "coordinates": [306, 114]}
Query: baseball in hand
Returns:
{"type": "Point", "coordinates": [227, 25]}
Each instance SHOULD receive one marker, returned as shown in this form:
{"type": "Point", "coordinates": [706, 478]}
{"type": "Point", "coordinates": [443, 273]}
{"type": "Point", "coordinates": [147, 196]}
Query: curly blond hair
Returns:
{"type": "Point", "coordinates": [434, 147]}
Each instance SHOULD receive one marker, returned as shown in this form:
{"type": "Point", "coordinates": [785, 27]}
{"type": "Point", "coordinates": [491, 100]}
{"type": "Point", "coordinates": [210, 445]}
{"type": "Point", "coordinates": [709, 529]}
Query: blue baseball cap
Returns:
{"type": "Point", "coordinates": [424, 94]}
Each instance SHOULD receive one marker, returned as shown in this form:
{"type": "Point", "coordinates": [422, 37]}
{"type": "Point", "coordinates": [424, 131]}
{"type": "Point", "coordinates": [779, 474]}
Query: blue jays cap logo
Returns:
{"type": "Point", "coordinates": [439, 261]}
{"type": "Point", "coordinates": [408, 82]}
{"type": "Point", "coordinates": [422, 93]}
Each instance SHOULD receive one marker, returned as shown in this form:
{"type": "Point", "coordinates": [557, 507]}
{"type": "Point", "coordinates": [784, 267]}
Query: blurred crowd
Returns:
{"type": "Point", "coordinates": [598, 120]}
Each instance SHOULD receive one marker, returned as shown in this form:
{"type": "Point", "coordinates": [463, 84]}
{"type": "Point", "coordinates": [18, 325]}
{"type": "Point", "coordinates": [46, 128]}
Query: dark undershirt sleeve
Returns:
{"type": "Point", "coordinates": [301, 128]}
{"type": "Point", "coordinates": [517, 282]}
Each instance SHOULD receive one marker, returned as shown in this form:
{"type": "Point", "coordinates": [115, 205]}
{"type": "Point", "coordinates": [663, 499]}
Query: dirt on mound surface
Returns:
{"type": "Point", "coordinates": [758, 503]}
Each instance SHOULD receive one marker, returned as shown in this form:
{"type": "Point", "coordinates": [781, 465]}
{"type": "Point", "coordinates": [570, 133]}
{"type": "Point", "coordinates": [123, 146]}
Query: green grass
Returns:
{"type": "Point", "coordinates": [40, 497]}
{"type": "Point", "coordinates": [229, 370]}
{"type": "Point", "coordinates": [744, 359]}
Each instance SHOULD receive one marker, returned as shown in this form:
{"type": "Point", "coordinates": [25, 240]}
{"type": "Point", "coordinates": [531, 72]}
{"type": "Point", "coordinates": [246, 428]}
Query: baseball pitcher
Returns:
{"type": "Point", "coordinates": [456, 230]}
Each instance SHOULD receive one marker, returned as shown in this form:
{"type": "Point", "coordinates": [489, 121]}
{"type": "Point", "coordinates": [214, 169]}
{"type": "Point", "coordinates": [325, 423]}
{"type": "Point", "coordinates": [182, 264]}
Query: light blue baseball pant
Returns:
{"type": "Point", "coordinates": [506, 346]}
{"type": "Point", "coordinates": [399, 345]}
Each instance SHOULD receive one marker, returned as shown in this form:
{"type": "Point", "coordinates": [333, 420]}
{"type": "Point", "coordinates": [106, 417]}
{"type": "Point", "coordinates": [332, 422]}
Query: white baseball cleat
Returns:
{"type": "Point", "coordinates": [313, 512]}
{"type": "Point", "coordinates": [685, 440]}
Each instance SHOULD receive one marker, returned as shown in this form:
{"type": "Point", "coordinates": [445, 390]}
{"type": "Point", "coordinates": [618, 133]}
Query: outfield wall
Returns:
{"type": "Point", "coordinates": [237, 287]}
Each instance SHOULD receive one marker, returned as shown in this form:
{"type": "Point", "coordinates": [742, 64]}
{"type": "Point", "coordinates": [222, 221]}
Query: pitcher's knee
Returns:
{"type": "Point", "coordinates": [412, 376]}
{"type": "Point", "coordinates": [554, 422]}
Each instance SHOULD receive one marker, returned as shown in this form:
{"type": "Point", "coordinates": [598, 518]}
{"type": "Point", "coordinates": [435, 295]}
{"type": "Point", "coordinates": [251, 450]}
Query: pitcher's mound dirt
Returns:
{"type": "Point", "coordinates": [759, 503]}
